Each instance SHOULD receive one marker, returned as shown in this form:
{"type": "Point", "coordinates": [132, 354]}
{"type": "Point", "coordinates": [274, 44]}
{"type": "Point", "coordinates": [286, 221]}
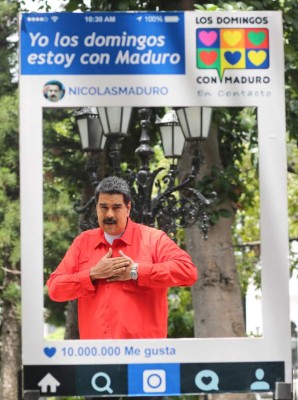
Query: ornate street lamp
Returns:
{"type": "Point", "coordinates": [115, 120]}
{"type": "Point", "coordinates": [181, 204]}
{"type": "Point", "coordinates": [90, 129]}
{"type": "Point", "coordinates": [172, 136]}
{"type": "Point", "coordinates": [164, 202]}
{"type": "Point", "coordinates": [92, 138]}
{"type": "Point", "coordinates": [195, 122]}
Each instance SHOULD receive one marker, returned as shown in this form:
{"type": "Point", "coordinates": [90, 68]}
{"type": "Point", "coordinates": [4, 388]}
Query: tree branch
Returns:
{"type": "Point", "coordinates": [11, 271]}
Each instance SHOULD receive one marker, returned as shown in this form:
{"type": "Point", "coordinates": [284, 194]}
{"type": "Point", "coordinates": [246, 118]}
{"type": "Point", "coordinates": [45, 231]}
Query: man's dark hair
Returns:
{"type": "Point", "coordinates": [57, 83]}
{"type": "Point", "coordinates": [113, 185]}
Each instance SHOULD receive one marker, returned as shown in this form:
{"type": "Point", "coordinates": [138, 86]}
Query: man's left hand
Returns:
{"type": "Point", "coordinates": [125, 275]}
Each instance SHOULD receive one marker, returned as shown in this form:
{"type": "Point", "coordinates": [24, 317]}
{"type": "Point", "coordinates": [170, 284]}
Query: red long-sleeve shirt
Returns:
{"type": "Point", "coordinates": [122, 309]}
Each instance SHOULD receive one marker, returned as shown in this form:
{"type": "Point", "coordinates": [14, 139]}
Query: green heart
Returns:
{"type": "Point", "coordinates": [256, 38]}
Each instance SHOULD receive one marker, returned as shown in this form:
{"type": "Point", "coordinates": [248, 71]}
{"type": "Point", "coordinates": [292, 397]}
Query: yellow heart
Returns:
{"type": "Point", "coordinates": [257, 57]}
{"type": "Point", "coordinates": [232, 38]}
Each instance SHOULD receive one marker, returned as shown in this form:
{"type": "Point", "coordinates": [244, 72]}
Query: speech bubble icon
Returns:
{"type": "Point", "coordinates": [232, 49]}
{"type": "Point", "coordinates": [207, 380]}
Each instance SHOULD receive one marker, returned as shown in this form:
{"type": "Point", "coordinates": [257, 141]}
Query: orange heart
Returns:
{"type": "Point", "coordinates": [208, 57]}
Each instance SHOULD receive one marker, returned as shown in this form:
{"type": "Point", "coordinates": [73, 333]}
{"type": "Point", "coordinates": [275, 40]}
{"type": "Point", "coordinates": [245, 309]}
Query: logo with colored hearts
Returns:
{"type": "Point", "coordinates": [223, 48]}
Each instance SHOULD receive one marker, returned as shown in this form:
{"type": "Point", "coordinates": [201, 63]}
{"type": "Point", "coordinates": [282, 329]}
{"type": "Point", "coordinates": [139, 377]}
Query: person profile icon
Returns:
{"type": "Point", "coordinates": [260, 384]}
{"type": "Point", "coordinates": [53, 91]}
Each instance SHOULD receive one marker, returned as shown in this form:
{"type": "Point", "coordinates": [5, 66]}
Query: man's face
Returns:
{"type": "Point", "coordinates": [53, 93]}
{"type": "Point", "coordinates": [112, 213]}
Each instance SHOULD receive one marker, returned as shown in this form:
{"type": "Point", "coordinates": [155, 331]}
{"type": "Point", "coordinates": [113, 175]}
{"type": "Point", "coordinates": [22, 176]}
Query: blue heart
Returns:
{"type": "Point", "coordinates": [49, 351]}
{"type": "Point", "coordinates": [232, 57]}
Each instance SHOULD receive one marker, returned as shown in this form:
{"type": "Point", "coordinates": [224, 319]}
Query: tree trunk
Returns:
{"type": "Point", "coordinates": [71, 328]}
{"type": "Point", "coordinates": [216, 296]}
{"type": "Point", "coordinates": [11, 337]}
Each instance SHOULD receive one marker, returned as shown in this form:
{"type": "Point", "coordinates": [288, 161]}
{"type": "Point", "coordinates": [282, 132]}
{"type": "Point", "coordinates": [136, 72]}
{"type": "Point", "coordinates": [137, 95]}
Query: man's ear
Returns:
{"type": "Point", "coordinates": [129, 207]}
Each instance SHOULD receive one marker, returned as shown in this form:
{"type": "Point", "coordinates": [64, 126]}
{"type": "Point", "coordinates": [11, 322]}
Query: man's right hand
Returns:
{"type": "Point", "coordinates": [108, 267]}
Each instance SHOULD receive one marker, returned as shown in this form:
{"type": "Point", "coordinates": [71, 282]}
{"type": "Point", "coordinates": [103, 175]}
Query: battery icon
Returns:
{"type": "Point", "coordinates": [171, 18]}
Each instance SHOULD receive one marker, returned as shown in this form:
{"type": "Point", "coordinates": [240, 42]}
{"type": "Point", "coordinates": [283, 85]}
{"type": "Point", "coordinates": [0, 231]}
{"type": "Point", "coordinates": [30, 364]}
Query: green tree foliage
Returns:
{"type": "Point", "coordinates": [181, 313]}
{"type": "Point", "coordinates": [8, 59]}
{"type": "Point", "coordinates": [237, 133]}
{"type": "Point", "coordinates": [63, 176]}
{"type": "Point", "coordinates": [9, 208]}
{"type": "Point", "coordinates": [9, 141]}
{"type": "Point", "coordinates": [9, 186]}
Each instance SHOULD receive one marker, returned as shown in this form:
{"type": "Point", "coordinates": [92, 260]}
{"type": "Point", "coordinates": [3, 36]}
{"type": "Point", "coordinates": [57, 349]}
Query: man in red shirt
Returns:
{"type": "Point", "coordinates": [120, 272]}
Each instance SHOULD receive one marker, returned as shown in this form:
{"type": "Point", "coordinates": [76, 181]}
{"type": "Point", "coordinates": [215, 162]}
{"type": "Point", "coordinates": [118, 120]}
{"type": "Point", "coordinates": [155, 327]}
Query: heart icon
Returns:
{"type": "Point", "coordinates": [206, 380]}
{"type": "Point", "coordinates": [257, 57]}
{"type": "Point", "coordinates": [49, 351]}
{"type": "Point", "coordinates": [208, 38]}
{"type": "Point", "coordinates": [232, 57]}
{"type": "Point", "coordinates": [256, 38]}
{"type": "Point", "coordinates": [208, 57]}
{"type": "Point", "coordinates": [232, 38]}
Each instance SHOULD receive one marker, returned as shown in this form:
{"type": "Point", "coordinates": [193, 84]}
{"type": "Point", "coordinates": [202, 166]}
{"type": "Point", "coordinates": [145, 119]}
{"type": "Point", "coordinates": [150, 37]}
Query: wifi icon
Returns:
{"type": "Point", "coordinates": [54, 18]}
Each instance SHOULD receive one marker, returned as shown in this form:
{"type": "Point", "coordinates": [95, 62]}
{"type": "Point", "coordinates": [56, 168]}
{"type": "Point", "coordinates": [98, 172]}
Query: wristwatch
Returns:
{"type": "Point", "coordinates": [134, 272]}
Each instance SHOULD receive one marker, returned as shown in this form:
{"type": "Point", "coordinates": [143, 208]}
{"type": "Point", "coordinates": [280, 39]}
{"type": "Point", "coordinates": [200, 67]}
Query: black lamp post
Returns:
{"type": "Point", "coordinates": [115, 122]}
{"type": "Point", "coordinates": [164, 202]}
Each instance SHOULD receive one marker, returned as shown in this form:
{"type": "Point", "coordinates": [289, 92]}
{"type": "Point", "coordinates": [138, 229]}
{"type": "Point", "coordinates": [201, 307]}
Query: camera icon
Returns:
{"type": "Point", "coordinates": [154, 380]}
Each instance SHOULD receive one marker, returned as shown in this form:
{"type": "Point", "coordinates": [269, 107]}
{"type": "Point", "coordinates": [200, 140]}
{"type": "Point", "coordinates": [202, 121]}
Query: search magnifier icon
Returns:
{"type": "Point", "coordinates": [106, 386]}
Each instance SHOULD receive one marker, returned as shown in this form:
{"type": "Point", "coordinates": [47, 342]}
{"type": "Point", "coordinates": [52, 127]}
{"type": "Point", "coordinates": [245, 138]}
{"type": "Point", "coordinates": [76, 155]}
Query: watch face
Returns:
{"type": "Point", "coordinates": [133, 274]}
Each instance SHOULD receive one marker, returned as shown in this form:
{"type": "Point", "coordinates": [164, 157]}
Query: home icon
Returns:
{"type": "Point", "coordinates": [48, 381]}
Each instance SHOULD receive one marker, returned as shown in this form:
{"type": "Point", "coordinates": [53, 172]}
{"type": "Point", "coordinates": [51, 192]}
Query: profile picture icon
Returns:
{"type": "Point", "coordinates": [53, 91]}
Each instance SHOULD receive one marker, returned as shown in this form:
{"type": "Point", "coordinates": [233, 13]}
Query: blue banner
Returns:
{"type": "Point", "coordinates": [115, 43]}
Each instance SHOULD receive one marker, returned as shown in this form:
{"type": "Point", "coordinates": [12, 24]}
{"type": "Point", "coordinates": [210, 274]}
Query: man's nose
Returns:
{"type": "Point", "coordinates": [110, 213]}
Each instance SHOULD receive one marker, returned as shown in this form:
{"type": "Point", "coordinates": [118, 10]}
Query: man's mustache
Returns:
{"type": "Point", "coordinates": [109, 221]}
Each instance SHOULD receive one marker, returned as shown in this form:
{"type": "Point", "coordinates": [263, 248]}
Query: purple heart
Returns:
{"type": "Point", "coordinates": [232, 57]}
{"type": "Point", "coordinates": [49, 351]}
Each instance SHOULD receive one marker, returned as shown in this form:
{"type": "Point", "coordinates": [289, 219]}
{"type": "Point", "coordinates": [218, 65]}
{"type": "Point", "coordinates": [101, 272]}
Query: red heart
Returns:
{"type": "Point", "coordinates": [208, 57]}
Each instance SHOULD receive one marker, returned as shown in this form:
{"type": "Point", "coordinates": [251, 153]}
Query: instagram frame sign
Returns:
{"type": "Point", "coordinates": [216, 59]}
